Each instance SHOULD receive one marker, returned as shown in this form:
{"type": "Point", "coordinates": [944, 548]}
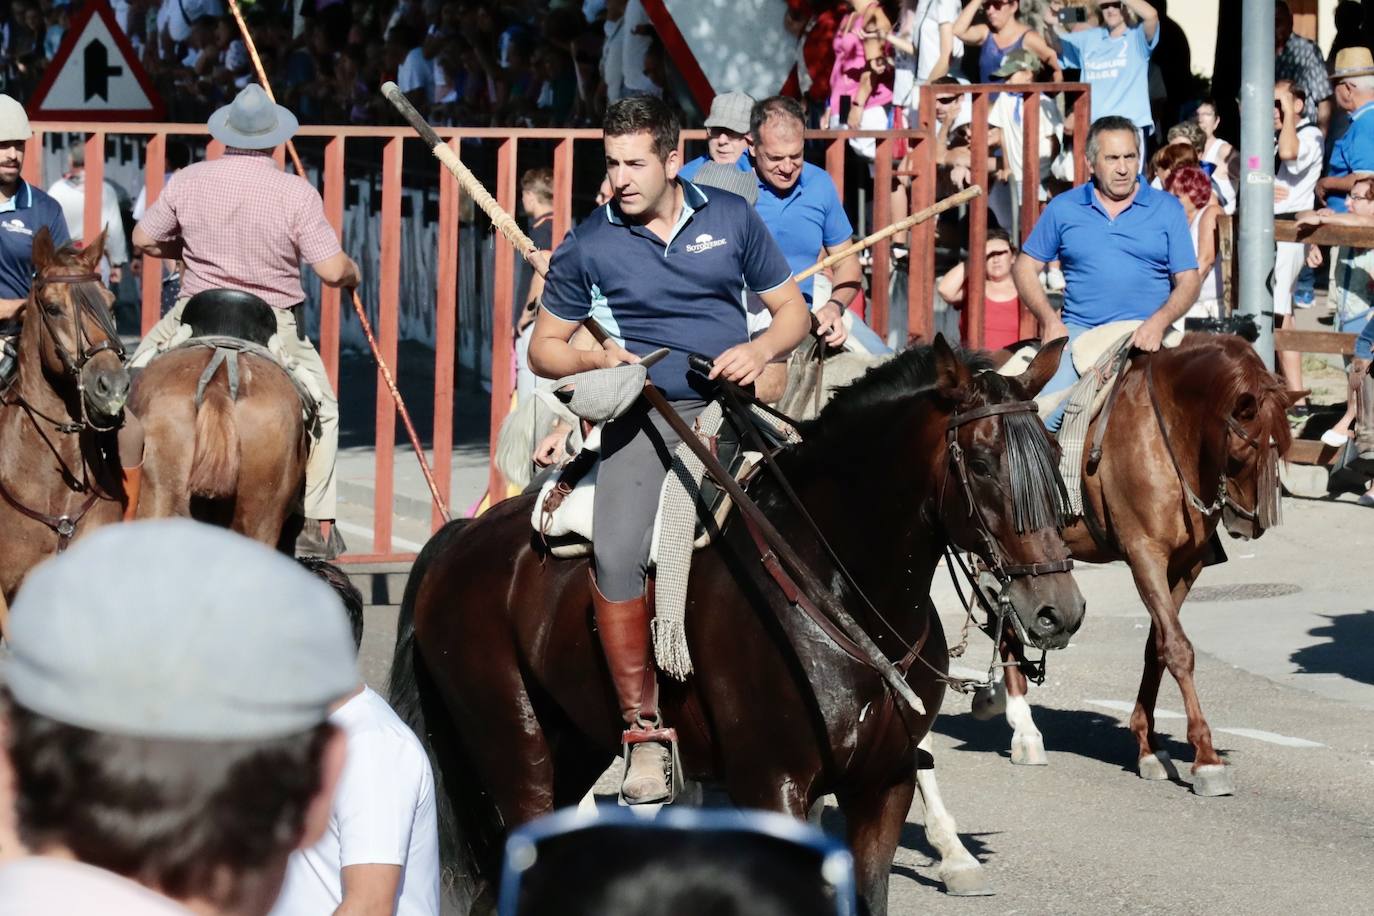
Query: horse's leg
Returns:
{"type": "Point", "coordinates": [875, 819]}
{"type": "Point", "coordinates": [1027, 744]}
{"type": "Point", "coordinates": [961, 873]}
{"type": "Point", "coordinates": [1210, 774]}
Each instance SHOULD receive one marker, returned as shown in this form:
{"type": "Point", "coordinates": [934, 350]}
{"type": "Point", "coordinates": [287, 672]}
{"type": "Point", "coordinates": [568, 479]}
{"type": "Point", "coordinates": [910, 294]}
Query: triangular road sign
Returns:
{"type": "Point", "coordinates": [95, 75]}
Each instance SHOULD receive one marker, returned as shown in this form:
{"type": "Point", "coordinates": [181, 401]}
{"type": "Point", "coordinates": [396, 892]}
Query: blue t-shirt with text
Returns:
{"type": "Point", "coordinates": [1117, 69]}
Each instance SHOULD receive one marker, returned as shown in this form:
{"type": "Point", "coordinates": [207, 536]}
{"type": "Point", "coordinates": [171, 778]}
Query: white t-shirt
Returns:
{"type": "Point", "coordinates": [1300, 175]}
{"type": "Point", "coordinates": [1006, 115]}
{"type": "Point", "coordinates": [930, 15]}
{"type": "Point", "coordinates": [636, 47]}
{"type": "Point", "coordinates": [416, 72]}
{"type": "Point", "coordinates": [383, 814]}
{"type": "Point", "coordinates": [170, 16]}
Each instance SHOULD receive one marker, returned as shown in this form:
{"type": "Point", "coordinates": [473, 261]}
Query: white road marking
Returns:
{"type": "Point", "coordinates": [1257, 734]}
{"type": "Point", "coordinates": [360, 531]}
{"type": "Point", "coordinates": [1260, 734]}
{"type": "Point", "coordinates": [1129, 708]}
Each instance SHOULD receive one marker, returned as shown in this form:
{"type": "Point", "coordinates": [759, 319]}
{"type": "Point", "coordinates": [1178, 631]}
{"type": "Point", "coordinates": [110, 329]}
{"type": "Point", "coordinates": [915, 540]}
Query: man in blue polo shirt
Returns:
{"type": "Point", "coordinates": [727, 135]}
{"type": "Point", "coordinates": [1353, 155]}
{"type": "Point", "coordinates": [664, 264]}
{"type": "Point", "coordinates": [1125, 250]}
{"type": "Point", "coordinates": [24, 210]}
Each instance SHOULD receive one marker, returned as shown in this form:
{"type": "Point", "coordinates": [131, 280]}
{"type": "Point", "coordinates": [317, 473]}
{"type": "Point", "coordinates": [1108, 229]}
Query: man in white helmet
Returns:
{"type": "Point", "coordinates": [24, 210]}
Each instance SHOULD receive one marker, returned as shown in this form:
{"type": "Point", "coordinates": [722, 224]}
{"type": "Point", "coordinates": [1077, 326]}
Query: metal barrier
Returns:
{"type": "Point", "coordinates": [450, 237]}
{"type": "Point", "coordinates": [923, 239]}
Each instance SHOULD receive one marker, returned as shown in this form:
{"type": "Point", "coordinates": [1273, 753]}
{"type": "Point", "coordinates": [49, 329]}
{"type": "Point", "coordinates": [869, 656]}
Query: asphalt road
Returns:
{"type": "Point", "coordinates": [1287, 683]}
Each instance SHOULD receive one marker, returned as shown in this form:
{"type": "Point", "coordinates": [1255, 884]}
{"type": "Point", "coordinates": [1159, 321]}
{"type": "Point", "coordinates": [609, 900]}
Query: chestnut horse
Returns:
{"type": "Point", "coordinates": [499, 671]}
{"type": "Point", "coordinates": [1193, 440]}
{"type": "Point", "coordinates": [234, 454]}
{"type": "Point", "coordinates": [60, 474]}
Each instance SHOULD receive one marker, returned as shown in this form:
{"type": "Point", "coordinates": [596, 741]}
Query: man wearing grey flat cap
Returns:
{"type": "Point", "coordinates": [727, 135]}
{"type": "Point", "coordinates": [240, 222]}
{"type": "Point", "coordinates": [166, 733]}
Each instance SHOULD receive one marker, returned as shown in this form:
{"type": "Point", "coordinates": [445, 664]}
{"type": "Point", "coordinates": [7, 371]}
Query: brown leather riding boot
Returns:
{"type": "Point", "coordinates": [133, 482]}
{"type": "Point", "coordinates": [623, 627]}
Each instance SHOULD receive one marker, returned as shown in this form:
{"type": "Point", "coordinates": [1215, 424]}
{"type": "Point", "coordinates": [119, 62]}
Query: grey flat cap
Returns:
{"type": "Point", "coordinates": [731, 111]}
{"type": "Point", "coordinates": [728, 178]}
{"type": "Point", "coordinates": [174, 629]}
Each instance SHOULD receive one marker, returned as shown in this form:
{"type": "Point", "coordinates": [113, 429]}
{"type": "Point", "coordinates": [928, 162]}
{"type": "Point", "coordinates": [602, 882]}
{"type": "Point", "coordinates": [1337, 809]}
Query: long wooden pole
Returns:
{"type": "Point", "coordinates": [387, 378]}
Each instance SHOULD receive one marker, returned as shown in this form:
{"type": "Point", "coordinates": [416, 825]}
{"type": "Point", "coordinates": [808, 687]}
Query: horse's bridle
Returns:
{"type": "Point", "coordinates": [1223, 499]}
{"type": "Point", "coordinates": [73, 367]}
{"type": "Point", "coordinates": [64, 526]}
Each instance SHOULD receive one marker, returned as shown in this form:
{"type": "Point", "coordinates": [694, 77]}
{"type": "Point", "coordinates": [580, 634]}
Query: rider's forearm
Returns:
{"type": "Point", "coordinates": [1186, 286]}
{"type": "Point", "coordinates": [791, 324]}
{"type": "Point", "coordinates": [1026, 275]}
{"type": "Point", "coordinates": [553, 358]}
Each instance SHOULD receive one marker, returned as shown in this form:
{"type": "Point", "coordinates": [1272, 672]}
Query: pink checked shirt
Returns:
{"type": "Point", "coordinates": [245, 224]}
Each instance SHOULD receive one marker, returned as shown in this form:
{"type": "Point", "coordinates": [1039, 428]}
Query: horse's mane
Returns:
{"type": "Point", "coordinates": [1232, 370]}
{"type": "Point", "coordinates": [908, 373]}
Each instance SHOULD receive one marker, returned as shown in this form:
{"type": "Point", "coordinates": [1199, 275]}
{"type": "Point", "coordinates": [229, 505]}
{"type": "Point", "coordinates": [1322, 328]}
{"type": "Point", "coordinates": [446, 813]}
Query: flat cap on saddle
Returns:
{"type": "Point", "coordinates": [174, 629]}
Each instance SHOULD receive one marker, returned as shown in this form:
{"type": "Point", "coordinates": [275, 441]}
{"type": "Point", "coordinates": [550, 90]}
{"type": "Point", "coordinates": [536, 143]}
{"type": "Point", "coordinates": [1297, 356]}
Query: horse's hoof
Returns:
{"type": "Point", "coordinates": [989, 703]}
{"type": "Point", "coordinates": [967, 882]}
{"type": "Point", "coordinates": [1212, 780]}
{"type": "Point", "coordinates": [1029, 751]}
{"type": "Point", "coordinates": [1156, 766]}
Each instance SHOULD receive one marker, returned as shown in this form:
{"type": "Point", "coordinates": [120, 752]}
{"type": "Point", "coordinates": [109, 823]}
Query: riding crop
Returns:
{"type": "Point", "coordinates": [385, 370]}
{"type": "Point", "coordinates": [809, 581]}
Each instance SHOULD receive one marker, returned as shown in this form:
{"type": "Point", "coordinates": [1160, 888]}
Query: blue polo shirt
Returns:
{"type": "Point", "coordinates": [1114, 269]}
{"type": "Point", "coordinates": [689, 170]}
{"type": "Point", "coordinates": [1353, 152]}
{"type": "Point", "coordinates": [20, 217]}
{"type": "Point", "coordinates": [686, 294]}
{"type": "Point", "coordinates": [805, 219]}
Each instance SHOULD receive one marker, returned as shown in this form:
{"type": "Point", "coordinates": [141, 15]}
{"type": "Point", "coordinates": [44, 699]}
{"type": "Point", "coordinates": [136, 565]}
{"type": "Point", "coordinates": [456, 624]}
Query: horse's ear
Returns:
{"type": "Point", "coordinates": [1041, 369]}
{"type": "Point", "coordinates": [92, 253]}
{"type": "Point", "coordinates": [43, 250]}
{"type": "Point", "coordinates": [951, 375]}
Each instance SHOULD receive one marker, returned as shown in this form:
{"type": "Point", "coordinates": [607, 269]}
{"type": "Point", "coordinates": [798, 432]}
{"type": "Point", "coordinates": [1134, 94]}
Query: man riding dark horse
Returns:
{"type": "Point", "coordinates": [663, 265]}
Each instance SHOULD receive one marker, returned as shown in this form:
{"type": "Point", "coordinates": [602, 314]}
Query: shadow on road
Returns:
{"type": "Point", "coordinates": [1093, 735]}
{"type": "Point", "coordinates": [1347, 653]}
{"type": "Point", "coordinates": [913, 839]}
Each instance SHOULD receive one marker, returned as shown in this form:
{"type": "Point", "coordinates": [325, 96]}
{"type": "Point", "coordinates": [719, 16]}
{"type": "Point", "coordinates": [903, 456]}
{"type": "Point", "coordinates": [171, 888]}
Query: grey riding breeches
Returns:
{"type": "Point", "coordinates": [636, 453]}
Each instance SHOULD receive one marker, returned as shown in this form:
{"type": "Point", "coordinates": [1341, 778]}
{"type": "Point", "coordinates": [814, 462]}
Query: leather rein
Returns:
{"type": "Point", "coordinates": [64, 526]}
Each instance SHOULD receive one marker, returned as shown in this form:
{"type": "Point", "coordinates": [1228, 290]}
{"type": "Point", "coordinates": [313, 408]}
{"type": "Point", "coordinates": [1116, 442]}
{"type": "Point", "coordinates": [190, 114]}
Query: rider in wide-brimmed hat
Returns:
{"type": "Point", "coordinates": [239, 222]}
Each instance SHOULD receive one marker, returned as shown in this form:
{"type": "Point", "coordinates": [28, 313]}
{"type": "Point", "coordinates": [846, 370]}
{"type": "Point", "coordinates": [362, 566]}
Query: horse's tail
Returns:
{"type": "Point", "coordinates": [469, 828]}
{"type": "Point", "coordinates": [215, 461]}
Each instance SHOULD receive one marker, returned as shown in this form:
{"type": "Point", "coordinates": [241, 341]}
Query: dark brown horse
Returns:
{"type": "Point", "coordinates": [498, 668]}
{"type": "Point", "coordinates": [60, 474]}
{"type": "Point", "coordinates": [1193, 441]}
{"type": "Point", "coordinates": [230, 454]}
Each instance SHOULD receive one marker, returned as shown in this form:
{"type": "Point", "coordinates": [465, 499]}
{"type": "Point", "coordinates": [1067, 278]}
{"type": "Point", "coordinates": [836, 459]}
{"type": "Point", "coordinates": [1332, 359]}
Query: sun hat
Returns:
{"type": "Point", "coordinates": [1352, 62]}
{"type": "Point", "coordinates": [731, 111]}
{"type": "Point", "coordinates": [14, 121]}
{"type": "Point", "coordinates": [172, 629]}
{"type": "Point", "coordinates": [1020, 59]}
{"type": "Point", "coordinates": [252, 121]}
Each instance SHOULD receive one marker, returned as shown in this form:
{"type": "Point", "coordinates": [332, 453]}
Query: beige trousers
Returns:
{"type": "Point", "coordinates": [304, 361]}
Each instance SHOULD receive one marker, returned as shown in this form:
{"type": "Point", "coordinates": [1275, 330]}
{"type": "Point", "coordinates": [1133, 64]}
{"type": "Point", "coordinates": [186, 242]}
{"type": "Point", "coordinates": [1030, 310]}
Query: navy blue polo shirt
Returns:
{"type": "Point", "coordinates": [20, 217]}
{"type": "Point", "coordinates": [806, 219]}
{"type": "Point", "coordinates": [686, 295]}
{"type": "Point", "coordinates": [1114, 269]}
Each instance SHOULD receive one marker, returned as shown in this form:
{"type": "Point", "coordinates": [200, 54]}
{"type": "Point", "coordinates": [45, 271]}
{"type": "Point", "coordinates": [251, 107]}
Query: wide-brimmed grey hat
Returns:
{"type": "Point", "coordinates": [731, 111]}
{"type": "Point", "coordinates": [172, 629]}
{"type": "Point", "coordinates": [252, 121]}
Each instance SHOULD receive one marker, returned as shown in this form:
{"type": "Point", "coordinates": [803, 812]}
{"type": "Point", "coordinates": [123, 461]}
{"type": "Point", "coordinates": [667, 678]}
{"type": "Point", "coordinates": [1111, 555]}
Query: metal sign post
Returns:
{"type": "Point", "coordinates": [1256, 206]}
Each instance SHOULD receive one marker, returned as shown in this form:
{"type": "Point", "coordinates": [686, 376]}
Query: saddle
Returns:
{"type": "Point", "coordinates": [230, 322]}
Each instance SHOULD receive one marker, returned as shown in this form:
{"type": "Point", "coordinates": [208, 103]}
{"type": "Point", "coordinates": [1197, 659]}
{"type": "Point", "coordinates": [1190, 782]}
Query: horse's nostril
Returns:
{"type": "Point", "coordinates": [1047, 619]}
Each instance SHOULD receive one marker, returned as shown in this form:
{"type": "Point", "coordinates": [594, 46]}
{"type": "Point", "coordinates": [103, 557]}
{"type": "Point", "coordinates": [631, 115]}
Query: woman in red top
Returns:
{"type": "Point", "coordinates": [1001, 305]}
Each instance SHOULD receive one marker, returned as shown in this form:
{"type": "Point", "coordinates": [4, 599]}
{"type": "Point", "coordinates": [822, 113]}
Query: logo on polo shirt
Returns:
{"type": "Point", "coordinates": [704, 242]}
{"type": "Point", "coordinates": [16, 225]}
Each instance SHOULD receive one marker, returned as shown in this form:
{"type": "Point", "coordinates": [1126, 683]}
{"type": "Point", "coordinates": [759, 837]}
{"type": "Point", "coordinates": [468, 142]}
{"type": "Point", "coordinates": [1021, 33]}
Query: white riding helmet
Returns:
{"type": "Point", "coordinates": [14, 121]}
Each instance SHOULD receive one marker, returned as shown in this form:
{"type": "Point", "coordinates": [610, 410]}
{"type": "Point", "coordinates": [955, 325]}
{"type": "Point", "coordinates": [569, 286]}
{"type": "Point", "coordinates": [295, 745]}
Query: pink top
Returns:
{"type": "Point", "coordinates": [850, 66]}
{"type": "Point", "coordinates": [245, 224]}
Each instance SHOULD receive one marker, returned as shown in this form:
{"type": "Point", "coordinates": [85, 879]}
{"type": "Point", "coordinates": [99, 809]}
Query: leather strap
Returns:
{"type": "Point", "coordinates": [64, 526]}
{"type": "Point", "coordinates": [991, 410]}
{"type": "Point", "coordinates": [1123, 365]}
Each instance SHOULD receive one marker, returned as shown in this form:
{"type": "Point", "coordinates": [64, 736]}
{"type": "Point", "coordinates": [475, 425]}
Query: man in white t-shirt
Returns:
{"type": "Point", "coordinates": [637, 36]}
{"type": "Point", "coordinates": [1008, 133]}
{"type": "Point", "coordinates": [380, 852]}
{"type": "Point", "coordinates": [1298, 147]}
